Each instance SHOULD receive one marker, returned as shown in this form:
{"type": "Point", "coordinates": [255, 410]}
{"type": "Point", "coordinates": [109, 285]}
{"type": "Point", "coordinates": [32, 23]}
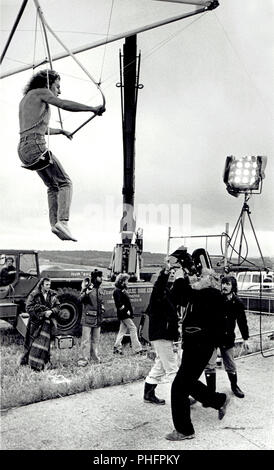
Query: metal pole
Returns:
{"type": "Point", "coordinates": [168, 240]}
{"type": "Point", "coordinates": [23, 6]}
{"type": "Point", "coordinates": [226, 243]}
{"type": "Point", "coordinates": [41, 16]}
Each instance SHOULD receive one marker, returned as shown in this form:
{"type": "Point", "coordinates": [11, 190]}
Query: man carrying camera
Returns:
{"type": "Point", "coordinates": [92, 313]}
{"type": "Point", "coordinates": [202, 330]}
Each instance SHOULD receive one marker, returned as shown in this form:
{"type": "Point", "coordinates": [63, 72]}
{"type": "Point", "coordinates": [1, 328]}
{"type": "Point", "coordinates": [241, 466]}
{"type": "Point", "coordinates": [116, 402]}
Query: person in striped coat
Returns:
{"type": "Point", "coordinates": [43, 307]}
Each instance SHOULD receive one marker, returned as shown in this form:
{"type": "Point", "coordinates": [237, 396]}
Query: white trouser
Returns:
{"type": "Point", "coordinates": [128, 325]}
{"type": "Point", "coordinates": [165, 365]}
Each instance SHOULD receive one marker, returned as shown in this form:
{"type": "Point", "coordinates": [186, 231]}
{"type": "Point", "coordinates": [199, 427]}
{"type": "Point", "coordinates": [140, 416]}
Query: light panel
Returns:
{"type": "Point", "coordinates": [244, 174]}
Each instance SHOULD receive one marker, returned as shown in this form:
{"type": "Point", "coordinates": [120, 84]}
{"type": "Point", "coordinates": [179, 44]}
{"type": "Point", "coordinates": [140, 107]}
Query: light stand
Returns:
{"type": "Point", "coordinates": [239, 227]}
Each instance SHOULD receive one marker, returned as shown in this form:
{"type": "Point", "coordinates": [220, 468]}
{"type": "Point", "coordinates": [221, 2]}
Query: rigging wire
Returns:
{"type": "Point", "coordinates": [35, 41]}
{"type": "Point", "coordinates": [46, 44]}
{"type": "Point", "coordinates": [45, 26]}
{"type": "Point", "coordinates": [242, 64]}
{"type": "Point", "coordinates": [110, 79]}
{"type": "Point", "coordinates": [107, 36]}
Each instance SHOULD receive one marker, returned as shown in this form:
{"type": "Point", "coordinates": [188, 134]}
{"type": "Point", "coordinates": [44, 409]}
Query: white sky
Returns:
{"type": "Point", "coordinates": [208, 93]}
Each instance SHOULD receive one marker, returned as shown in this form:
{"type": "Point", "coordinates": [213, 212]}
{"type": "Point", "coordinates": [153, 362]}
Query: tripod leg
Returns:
{"type": "Point", "coordinates": [253, 230]}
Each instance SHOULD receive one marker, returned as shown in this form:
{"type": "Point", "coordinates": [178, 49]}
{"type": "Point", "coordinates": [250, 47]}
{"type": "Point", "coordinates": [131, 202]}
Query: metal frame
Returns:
{"type": "Point", "coordinates": [210, 5]}
{"type": "Point", "coordinates": [226, 234]}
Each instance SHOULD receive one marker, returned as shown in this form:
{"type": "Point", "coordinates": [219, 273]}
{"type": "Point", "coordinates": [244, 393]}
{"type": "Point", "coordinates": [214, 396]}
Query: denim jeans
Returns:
{"type": "Point", "coordinates": [126, 325]}
{"type": "Point", "coordinates": [165, 366]}
{"type": "Point", "coordinates": [228, 359]}
{"type": "Point", "coordinates": [54, 176]}
{"type": "Point", "coordinates": [90, 342]}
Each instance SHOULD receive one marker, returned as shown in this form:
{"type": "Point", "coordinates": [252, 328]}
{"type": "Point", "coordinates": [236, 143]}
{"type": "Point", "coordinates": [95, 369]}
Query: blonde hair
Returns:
{"type": "Point", "coordinates": [209, 278]}
{"type": "Point", "coordinates": [122, 277]}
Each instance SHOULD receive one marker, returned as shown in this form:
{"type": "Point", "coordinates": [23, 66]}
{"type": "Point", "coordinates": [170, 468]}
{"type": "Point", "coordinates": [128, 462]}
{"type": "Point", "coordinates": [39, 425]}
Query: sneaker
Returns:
{"type": "Point", "coordinates": [177, 436]}
{"type": "Point", "coordinates": [62, 226]}
{"type": "Point", "coordinates": [82, 363]}
{"type": "Point", "coordinates": [222, 410]}
{"type": "Point", "coordinates": [59, 234]}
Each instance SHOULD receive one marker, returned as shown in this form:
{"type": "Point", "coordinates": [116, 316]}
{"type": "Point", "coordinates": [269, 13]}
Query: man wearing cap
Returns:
{"type": "Point", "coordinates": [92, 313]}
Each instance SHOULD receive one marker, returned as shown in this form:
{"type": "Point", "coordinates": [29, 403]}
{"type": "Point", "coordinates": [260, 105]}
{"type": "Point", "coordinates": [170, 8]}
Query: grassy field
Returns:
{"type": "Point", "coordinates": [22, 386]}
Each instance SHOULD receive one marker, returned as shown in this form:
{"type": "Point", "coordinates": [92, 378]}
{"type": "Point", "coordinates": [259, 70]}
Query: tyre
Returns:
{"type": "Point", "coordinates": [69, 317]}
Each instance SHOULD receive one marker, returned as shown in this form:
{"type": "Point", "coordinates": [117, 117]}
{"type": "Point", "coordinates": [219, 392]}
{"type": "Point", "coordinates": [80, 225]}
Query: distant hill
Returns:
{"type": "Point", "coordinates": [94, 258]}
{"type": "Point", "coordinates": [102, 259]}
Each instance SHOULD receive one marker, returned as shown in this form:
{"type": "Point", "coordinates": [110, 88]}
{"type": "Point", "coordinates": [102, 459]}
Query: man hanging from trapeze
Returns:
{"type": "Point", "coordinates": [34, 115]}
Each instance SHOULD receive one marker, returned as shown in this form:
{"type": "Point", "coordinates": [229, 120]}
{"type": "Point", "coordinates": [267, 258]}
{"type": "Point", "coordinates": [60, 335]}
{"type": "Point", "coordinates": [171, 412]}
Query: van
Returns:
{"type": "Point", "coordinates": [250, 280]}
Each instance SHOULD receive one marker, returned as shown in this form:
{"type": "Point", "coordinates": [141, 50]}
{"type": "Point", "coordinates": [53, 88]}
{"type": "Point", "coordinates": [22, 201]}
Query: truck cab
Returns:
{"type": "Point", "coordinates": [19, 274]}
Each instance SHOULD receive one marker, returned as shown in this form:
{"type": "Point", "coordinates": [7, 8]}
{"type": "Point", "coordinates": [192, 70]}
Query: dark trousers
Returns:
{"type": "Point", "coordinates": [196, 355]}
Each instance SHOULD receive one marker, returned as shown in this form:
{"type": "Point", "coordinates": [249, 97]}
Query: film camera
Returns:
{"type": "Point", "coordinates": [192, 264]}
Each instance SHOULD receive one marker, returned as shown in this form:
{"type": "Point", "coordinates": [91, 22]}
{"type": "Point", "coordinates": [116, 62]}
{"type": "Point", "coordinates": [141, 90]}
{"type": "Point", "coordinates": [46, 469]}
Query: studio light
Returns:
{"type": "Point", "coordinates": [244, 174]}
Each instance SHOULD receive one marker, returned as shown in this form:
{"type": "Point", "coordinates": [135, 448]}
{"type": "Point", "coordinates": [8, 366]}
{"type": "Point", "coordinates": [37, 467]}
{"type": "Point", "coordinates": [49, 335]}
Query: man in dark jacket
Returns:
{"type": "Point", "coordinates": [233, 312]}
{"type": "Point", "coordinates": [8, 272]}
{"type": "Point", "coordinates": [92, 313]}
{"type": "Point", "coordinates": [43, 307]}
{"type": "Point", "coordinates": [125, 315]}
{"type": "Point", "coordinates": [202, 331]}
{"type": "Point", "coordinates": [163, 331]}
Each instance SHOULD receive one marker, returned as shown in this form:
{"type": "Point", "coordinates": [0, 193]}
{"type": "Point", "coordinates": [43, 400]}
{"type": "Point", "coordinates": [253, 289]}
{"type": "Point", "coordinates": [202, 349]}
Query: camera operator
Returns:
{"type": "Point", "coordinates": [92, 313]}
{"type": "Point", "coordinates": [202, 329]}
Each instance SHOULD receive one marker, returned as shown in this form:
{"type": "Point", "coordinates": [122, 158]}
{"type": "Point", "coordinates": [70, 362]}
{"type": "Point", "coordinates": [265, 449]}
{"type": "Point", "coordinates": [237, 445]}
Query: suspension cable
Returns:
{"type": "Point", "coordinates": [103, 61]}
{"type": "Point", "coordinates": [49, 57]}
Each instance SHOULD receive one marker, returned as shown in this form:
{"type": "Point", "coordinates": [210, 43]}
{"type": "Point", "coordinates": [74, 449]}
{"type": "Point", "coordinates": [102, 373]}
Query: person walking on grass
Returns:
{"type": "Point", "coordinates": [125, 315]}
{"type": "Point", "coordinates": [92, 316]}
{"type": "Point", "coordinates": [163, 332]}
{"type": "Point", "coordinates": [234, 312]}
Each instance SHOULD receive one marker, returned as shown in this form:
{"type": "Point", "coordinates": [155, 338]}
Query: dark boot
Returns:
{"type": "Point", "coordinates": [149, 395]}
{"type": "Point", "coordinates": [211, 381]}
{"type": "Point", "coordinates": [234, 387]}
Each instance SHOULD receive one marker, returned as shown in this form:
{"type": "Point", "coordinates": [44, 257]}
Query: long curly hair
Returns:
{"type": "Point", "coordinates": [120, 280]}
{"type": "Point", "coordinates": [208, 278]}
{"type": "Point", "coordinates": [42, 79]}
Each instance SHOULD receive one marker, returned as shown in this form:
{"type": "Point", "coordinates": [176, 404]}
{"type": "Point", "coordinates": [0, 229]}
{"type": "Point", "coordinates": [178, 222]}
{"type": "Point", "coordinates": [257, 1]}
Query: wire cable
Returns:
{"type": "Point", "coordinates": [243, 65]}
{"type": "Point", "coordinates": [107, 36]}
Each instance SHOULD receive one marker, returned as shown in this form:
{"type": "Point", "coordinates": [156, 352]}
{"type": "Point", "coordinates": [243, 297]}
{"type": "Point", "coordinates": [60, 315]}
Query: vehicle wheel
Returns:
{"type": "Point", "coordinates": [68, 320]}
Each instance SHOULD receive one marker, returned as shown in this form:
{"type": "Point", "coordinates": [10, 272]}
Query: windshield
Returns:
{"type": "Point", "coordinates": [28, 263]}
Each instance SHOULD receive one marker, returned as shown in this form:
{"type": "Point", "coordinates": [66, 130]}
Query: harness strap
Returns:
{"type": "Point", "coordinates": [42, 162]}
